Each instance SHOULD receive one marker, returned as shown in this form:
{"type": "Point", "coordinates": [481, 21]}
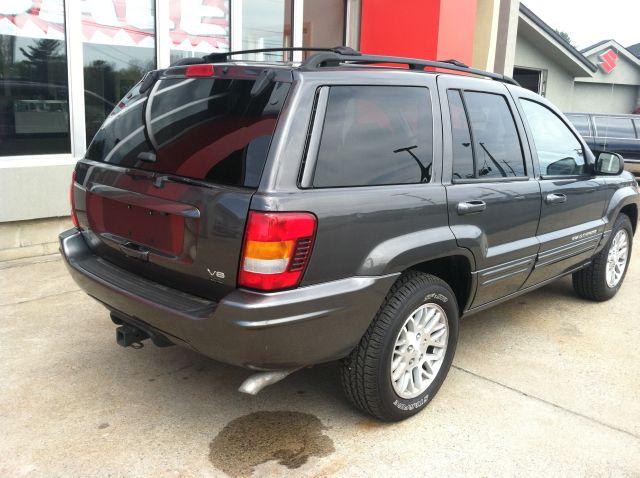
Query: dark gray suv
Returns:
{"type": "Point", "coordinates": [276, 216]}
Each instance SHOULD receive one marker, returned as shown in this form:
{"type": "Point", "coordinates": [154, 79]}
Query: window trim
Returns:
{"type": "Point", "coordinates": [597, 133]}
{"type": "Point", "coordinates": [314, 134]}
{"type": "Point", "coordinates": [534, 150]}
{"type": "Point", "coordinates": [308, 160]}
{"type": "Point", "coordinates": [528, 174]}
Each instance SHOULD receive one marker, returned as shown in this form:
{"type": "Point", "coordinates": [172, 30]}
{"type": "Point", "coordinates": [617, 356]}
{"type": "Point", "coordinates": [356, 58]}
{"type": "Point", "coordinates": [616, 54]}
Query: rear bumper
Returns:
{"type": "Point", "coordinates": [277, 330]}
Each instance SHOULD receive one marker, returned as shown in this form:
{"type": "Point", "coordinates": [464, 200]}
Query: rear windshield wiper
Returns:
{"type": "Point", "coordinates": [158, 181]}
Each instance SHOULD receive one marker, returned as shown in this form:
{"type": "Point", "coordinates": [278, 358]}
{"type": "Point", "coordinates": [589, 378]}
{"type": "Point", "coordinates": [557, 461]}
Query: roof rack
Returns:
{"type": "Point", "coordinates": [223, 56]}
{"type": "Point", "coordinates": [344, 54]}
{"type": "Point", "coordinates": [334, 58]}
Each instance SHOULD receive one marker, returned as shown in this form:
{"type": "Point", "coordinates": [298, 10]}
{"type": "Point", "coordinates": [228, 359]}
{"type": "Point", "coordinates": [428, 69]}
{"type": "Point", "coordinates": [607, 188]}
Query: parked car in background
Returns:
{"type": "Point", "coordinates": [613, 133]}
{"type": "Point", "coordinates": [275, 216]}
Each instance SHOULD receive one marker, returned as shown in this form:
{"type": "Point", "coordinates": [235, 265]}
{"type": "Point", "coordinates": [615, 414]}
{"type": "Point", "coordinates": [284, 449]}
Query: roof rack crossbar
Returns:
{"type": "Point", "coordinates": [333, 58]}
{"type": "Point", "coordinates": [223, 56]}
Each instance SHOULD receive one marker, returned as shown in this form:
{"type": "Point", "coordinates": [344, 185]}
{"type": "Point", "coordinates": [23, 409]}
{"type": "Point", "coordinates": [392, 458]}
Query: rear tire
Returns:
{"type": "Point", "coordinates": [403, 358]}
{"type": "Point", "coordinates": [592, 282]}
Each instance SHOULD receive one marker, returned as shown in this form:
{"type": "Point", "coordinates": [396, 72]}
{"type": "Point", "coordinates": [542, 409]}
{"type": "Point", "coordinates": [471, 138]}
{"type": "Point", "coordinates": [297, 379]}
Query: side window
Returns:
{"type": "Point", "coordinates": [581, 123]}
{"type": "Point", "coordinates": [375, 135]}
{"type": "Point", "coordinates": [462, 151]}
{"type": "Point", "coordinates": [559, 151]}
{"type": "Point", "coordinates": [608, 127]}
{"type": "Point", "coordinates": [496, 143]}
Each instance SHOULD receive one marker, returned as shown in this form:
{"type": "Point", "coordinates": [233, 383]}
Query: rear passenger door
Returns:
{"type": "Point", "coordinates": [573, 200]}
{"type": "Point", "coordinates": [493, 197]}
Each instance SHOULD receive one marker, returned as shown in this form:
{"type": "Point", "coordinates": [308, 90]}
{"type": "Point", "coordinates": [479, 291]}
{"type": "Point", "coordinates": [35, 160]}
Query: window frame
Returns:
{"type": "Point", "coordinates": [315, 129]}
{"type": "Point", "coordinates": [534, 150]}
{"type": "Point", "coordinates": [597, 132]}
{"type": "Point", "coordinates": [528, 173]}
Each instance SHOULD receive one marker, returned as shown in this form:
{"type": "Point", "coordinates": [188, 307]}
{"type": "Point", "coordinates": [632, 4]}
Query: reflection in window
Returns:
{"type": "Point", "coordinates": [119, 47]}
{"type": "Point", "coordinates": [323, 23]}
{"type": "Point", "coordinates": [34, 97]}
{"type": "Point", "coordinates": [495, 138]}
{"type": "Point", "coordinates": [266, 24]}
{"type": "Point", "coordinates": [559, 152]}
{"type": "Point", "coordinates": [198, 27]}
{"type": "Point", "coordinates": [461, 138]}
{"type": "Point", "coordinates": [375, 135]}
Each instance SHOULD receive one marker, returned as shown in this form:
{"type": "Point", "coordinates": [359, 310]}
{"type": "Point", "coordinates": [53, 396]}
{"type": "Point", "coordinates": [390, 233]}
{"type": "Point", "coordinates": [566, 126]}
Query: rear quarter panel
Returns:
{"type": "Point", "coordinates": [371, 230]}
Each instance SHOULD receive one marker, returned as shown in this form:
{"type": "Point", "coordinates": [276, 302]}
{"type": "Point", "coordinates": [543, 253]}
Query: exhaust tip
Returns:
{"type": "Point", "coordinates": [256, 382]}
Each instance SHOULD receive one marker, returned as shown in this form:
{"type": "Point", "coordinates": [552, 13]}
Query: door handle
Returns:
{"type": "Point", "coordinates": [555, 198]}
{"type": "Point", "coordinates": [471, 206]}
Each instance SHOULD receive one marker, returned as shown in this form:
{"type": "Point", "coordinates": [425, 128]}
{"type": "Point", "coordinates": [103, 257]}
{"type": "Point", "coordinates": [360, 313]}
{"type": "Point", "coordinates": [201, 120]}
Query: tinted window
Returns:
{"type": "Point", "coordinates": [462, 152]}
{"type": "Point", "coordinates": [375, 135]}
{"type": "Point", "coordinates": [581, 123]}
{"type": "Point", "coordinates": [495, 137]}
{"type": "Point", "coordinates": [559, 151]}
{"type": "Point", "coordinates": [608, 127]}
{"type": "Point", "coordinates": [34, 96]}
{"type": "Point", "coordinates": [208, 128]}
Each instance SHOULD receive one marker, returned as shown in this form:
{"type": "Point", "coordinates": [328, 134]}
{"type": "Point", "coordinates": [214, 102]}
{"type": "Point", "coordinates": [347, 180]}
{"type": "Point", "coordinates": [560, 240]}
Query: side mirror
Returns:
{"type": "Point", "coordinates": [610, 164]}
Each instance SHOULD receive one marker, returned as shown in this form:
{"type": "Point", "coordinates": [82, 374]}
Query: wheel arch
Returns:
{"type": "Point", "coordinates": [631, 211]}
{"type": "Point", "coordinates": [456, 271]}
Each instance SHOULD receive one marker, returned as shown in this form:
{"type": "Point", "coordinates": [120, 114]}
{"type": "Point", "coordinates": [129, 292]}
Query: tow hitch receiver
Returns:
{"type": "Point", "coordinates": [127, 335]}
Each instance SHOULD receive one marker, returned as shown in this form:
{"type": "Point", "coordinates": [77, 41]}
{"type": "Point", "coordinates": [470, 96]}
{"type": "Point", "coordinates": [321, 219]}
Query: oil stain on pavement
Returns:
{"type": "Point", "coordinates": [289, 437]}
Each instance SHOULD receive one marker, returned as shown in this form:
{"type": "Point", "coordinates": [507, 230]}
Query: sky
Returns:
{"type": "Point", "coordinates": [589, 21]}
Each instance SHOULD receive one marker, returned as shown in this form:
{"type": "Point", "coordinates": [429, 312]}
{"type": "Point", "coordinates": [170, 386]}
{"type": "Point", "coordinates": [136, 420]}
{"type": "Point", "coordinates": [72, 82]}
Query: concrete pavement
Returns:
{"type": "Point", "coordinates": [545, 384]}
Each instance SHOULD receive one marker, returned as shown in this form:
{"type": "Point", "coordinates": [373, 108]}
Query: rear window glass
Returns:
{"type": "Point", "coordinates": [609, 127]}
{"type": "Point", "coordinates": [207, 128]}
{"type": "Point", "coordinates": [581, 123]}
{"type": "Point", "coordinates": [375, 135]}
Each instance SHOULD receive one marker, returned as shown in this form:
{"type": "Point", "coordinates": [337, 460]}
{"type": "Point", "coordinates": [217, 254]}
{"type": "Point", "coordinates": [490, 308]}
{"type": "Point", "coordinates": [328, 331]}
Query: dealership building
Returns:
{"type": "Point", "coordinates": [64, 65]}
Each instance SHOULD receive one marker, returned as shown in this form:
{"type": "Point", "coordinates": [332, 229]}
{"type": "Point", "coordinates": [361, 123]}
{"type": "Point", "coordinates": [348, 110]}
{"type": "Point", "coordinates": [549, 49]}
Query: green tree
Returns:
{"type": "Point", "coordinates": [565, 36]}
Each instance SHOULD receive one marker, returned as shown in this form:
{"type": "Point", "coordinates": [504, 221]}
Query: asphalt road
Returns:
{"type": "Point", "coordinates": [546, 384]}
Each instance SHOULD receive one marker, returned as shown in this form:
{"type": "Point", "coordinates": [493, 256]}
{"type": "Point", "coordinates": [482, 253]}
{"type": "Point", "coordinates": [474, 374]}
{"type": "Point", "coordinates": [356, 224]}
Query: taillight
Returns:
{"type": "Point", "coordinates": [276, 250]}
{"type": "Point", "coordinates": [198, 71]}
{"type": "Point", "coordinates": [72, 200]}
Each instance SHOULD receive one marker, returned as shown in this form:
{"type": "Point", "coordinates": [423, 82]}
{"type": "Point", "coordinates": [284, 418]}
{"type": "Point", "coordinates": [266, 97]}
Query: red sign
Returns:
{"type": "Point", "coordinates": [609, 61]}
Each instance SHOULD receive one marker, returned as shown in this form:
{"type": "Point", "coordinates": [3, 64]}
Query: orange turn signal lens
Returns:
{"type": "Point", "coordinates": [269, 250]}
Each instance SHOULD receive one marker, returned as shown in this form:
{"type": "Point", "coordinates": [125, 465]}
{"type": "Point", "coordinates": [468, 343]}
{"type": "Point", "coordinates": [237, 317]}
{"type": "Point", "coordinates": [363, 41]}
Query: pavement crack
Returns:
{"type": "Point", "coordinates": [547, 402]}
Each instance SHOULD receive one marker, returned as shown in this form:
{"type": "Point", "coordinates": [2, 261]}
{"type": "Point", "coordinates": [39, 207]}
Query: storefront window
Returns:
{"type": "Point", "coordinates": [323, 24]}
{"type": "Point", "coordinates": [34, 96]}
{"type": "Point", "coordinates": [266, 24]}
{"type": "Point", "coordinates": [198, 27]}
{"type": "Point", "coordinates": [119, 47]}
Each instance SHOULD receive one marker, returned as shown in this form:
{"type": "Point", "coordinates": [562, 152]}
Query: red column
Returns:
{"type": "Point", "coordinates": [428, 29]}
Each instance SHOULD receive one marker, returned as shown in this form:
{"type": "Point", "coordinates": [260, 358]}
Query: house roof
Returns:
{"type": "Point", "coordinates": [560, 42]}
{"type": "Point", "coordinates": [634, 49]}
{"type": "Point", "coordinates": [601, 45]}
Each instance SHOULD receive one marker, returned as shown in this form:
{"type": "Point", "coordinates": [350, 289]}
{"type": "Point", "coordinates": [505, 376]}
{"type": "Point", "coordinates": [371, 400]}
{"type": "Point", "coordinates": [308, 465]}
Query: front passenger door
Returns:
{"type": "Point", "coordinates": [571, 223]}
